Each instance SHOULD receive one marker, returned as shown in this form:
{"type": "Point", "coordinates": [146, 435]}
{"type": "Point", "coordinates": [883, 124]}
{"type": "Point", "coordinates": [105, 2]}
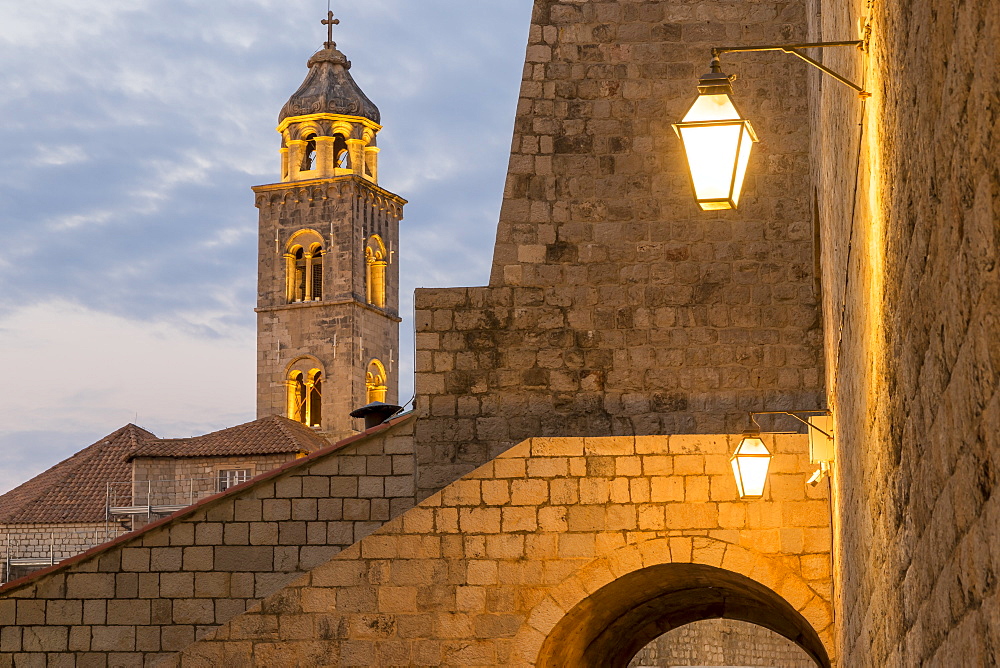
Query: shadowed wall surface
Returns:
{"type": "Point", "coordinates": [149, 594]}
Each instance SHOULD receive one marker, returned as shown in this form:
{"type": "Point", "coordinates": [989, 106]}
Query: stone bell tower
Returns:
{"type": "Point", "coordinates": [328, 280]}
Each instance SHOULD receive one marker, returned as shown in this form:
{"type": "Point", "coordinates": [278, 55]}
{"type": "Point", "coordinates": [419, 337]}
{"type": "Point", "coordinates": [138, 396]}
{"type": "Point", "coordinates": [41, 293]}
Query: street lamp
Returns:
{"type": "Point", "coordinates": [717, 139]}
{"type": "Point", "coordinates": [752, 459]}
{"type": "Point", "coordinates": [750, 464]}
{"type": "Point", "coordinates": [717, 142]}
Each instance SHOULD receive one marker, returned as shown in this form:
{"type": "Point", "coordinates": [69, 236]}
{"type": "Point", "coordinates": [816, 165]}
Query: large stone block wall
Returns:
{"type": "Point", "coordinates": [56, 541]}
{"type": "Point", "coordinates": [173, 479]}
{"type": "Point", "coordinates": [721, 642]}
{"type": "Point", "coordinates": [615, 305]}
{"type": "Point", "coordinates": [481, 572]}
{"type": "Point", "coordinates": [135, 601]}
{"type": "Point", "coordinates": [912, 292]}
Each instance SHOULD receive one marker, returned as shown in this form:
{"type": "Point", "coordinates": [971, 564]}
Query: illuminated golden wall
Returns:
{"type": "Point", "coordinates": [908, 187]}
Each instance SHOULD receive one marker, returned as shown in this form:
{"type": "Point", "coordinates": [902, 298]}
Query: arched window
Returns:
{"type": "Point", "coordinates": [315, 260]}
{"type": "Point", "coordinates": [376, 382]}
{"type": "Point", "coordinates": [296, 396]}
{"type": "Point", "coordinates": [376, 261]}
{"type": "Point", "coordinates": [309, 154]}
{"type": "Point", "coordinates": [304, 267]}
{"type": "Point", "coordinates": [341, 156]}
{"type": "Point", "coordinates": [299, 280]}
{"type": "Point", "coordinates": [305, 393]}
{"type": "Point", "coordinates": [314, 399]}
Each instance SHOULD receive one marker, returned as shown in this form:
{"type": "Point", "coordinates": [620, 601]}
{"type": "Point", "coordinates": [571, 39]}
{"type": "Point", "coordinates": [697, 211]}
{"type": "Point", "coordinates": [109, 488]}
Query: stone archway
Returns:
{"type": "Point", "coordinates": [560, 552]}
{"type": "Point", "coordinates": [605, 611]}
{"type": "Point", "coordinates": [608, 627]}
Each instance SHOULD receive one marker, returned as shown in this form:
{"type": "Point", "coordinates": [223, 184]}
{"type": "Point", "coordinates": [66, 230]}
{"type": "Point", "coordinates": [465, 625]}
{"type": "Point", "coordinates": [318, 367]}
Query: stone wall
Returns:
{"type": "Point", "coordinates": [721, 642]}
{"type": "Point", "coordinates": [615, 305]}
{"type": "Point", "coordinates": [49, 541]}
{"type": "Point", "coordinates": [153, 592]}
{"type": "Point", "coordinates": [912, 293]}
{"type": "Point", "coordinates": [178, 480]}
{"type": "Point", "coordinates": [173, 481]}
{"type": "Point", "coordinates": [483, 572]}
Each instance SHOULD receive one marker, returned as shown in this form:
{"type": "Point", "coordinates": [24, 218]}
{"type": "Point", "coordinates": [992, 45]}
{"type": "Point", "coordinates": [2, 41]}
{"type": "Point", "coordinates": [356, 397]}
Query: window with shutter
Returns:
{"type": "Point", "coordinates": [317, 277]}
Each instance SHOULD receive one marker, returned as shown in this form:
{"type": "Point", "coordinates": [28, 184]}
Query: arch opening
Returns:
{"type": "Point", "coordinates": [309, 154]}
{"type": "Point", "coordinates": [609, 627]}
{"type": "Point", "coordinates": [304, 381]}
{"type": "Point", "coordinates": [341, 153]}
{"type": "Point", "coordinates": [376, 382]}
{"type": "Point", "coordinates": [304, 256]}
{"type": "Point", "coordinates": [376, 260]}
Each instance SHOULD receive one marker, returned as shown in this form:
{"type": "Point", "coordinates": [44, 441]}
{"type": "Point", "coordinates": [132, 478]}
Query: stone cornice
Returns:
{"type": "Point", "coordinates": [316, 184]}
{"type": "Point", "coordinates": [344, 302]}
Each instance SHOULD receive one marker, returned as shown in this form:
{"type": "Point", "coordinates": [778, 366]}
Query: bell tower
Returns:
{"type": "Point", "coordinates": [328, 282]}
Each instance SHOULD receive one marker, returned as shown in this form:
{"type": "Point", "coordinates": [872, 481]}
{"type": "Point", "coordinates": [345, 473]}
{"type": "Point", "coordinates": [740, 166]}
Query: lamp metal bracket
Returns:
{"type": "Point", "coordinates": [793, 414]}
{"type": "Point", "coordinates": [794, 49]}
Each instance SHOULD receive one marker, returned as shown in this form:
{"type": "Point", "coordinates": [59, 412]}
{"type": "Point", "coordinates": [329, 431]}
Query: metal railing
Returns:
{"type": "Point", "coordinates": [156, 497]}
{"type": "Point", "coordinates": [28, 549]}
{"type": "Point", "coordinates": [128, 506]}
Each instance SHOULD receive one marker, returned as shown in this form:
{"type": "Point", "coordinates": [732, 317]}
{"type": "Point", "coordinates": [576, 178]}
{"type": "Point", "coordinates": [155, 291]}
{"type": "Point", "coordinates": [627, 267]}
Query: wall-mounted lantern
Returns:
{"type": "Point", "coordinates": [717, 142]}
{"type": "Point", "coordinates": [717, 139]}
{"type": "Point", "coordinates": [750, 464]}
{"type": "Point", "coordinates": [752, 459]}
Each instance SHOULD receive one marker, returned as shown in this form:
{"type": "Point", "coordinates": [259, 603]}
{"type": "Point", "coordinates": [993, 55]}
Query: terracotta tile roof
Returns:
{"type": "Point", "coordinates": [74, 490]}
{"type": "Point", "coordinates": [266, 436]}
{"type": "Point", "coordinates": [180, 515]}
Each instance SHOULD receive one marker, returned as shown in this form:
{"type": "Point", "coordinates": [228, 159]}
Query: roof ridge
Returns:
{"type": "Point", "coordinates": [38, 497]}
{"type": "Point", "coordinates": [300, 431]}
{"type": "Point", "coordinates": [284, 427]}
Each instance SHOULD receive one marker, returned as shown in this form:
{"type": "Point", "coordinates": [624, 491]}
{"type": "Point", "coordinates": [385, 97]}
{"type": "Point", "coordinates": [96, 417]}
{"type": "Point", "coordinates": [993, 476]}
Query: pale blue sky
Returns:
{"type": "Point", "coordinates": [130, 134]}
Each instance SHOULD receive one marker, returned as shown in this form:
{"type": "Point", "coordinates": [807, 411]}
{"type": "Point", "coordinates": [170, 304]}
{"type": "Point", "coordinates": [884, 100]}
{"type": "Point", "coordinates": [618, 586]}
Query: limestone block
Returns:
{"type": "Point", "coordinates": [243, 558]}
{"type": "Point", "coordinates": [112, 638]}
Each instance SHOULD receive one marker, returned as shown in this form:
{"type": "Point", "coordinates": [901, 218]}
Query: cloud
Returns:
{"type": "Point", "coordinates": [75, 372]}
{"type": "Point", "coordinates": [132, 133]}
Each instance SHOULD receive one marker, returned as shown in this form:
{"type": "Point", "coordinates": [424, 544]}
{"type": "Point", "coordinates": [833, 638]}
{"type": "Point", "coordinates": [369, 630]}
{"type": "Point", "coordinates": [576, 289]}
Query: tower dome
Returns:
{"type": "Point", "coordinates": [328, 127]}
{"type": "Point", "coordinates": [329, 88]}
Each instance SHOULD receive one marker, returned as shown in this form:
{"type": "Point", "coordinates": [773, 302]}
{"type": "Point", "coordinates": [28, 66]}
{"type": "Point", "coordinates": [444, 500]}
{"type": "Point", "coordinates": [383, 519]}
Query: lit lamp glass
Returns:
{"type": "Point", "coordinates": [750, 463]}
{"type": "Point", "coordinates": [717, 142]}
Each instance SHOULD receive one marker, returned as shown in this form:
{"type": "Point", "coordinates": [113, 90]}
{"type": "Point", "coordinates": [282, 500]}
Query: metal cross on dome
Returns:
{"type": "Point", "coordinates": [329, 22]}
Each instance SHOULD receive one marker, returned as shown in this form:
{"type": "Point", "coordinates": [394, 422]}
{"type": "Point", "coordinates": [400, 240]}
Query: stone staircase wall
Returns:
{"type": "Point", "coordinates": [140, 598]}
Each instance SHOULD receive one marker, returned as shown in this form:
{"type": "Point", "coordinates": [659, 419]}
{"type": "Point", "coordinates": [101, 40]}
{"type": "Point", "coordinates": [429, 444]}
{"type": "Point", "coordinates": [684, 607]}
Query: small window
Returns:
{"type": "Point", "coordinates": [342, 157]}
{"type": "Point", "coordinates": [309, 155]}
{"type": "Point", "coordinates": [232, 477]}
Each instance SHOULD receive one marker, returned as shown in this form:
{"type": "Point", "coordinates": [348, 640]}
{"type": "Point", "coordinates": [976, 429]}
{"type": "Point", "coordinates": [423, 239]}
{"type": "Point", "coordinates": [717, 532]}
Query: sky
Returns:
{"type": "Point", "coordinates": [130, 135]}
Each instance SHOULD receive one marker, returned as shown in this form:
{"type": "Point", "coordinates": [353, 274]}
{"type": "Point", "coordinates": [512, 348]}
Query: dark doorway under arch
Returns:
{"type": "Point", "coordinates": [606, 629]}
